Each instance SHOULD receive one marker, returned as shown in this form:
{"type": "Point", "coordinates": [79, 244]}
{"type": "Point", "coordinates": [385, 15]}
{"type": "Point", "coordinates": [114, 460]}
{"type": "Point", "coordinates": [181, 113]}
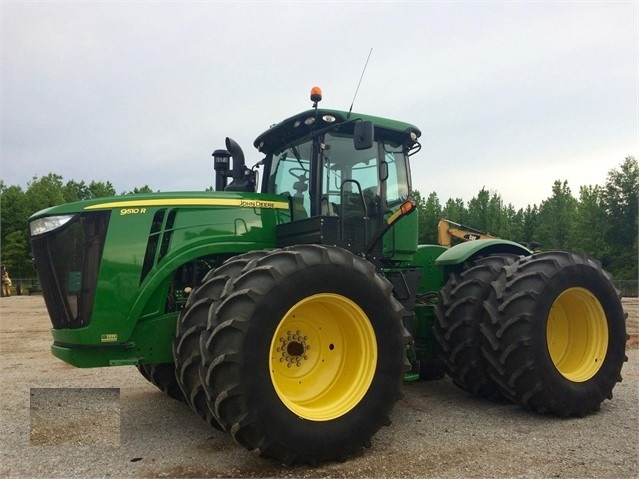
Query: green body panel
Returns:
{"type": "Point", "coordinates": [463, 251]}
{"type": "Point", "coordinates": [151, 342]}
{"type": "Point", "coordinates": [128, 323]}
{"type": "Point", "coordinates": [433, 278]}
{"type": "Point", "coordinates": [426, 258]}
{"type": "Point", "coordinates": [400, 242]}
{"type": "Point", "coordinates": [424, 339]}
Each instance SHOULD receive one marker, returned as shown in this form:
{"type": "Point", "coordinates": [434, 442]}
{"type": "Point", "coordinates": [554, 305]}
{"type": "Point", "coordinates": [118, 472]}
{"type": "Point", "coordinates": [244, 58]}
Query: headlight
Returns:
{"type": "Point", "coordinates": [48, 223]}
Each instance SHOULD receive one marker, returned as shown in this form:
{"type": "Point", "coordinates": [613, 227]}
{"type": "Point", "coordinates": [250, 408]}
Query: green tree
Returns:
{"type": "Point", "coordinates": [478, 210]}
{"type": "Point", "coordinates": [529, 226]}
{"type": "Point", "coordinates": [74, 191]}
{"type": "Point", "coordinates": [100, 189]}
{"type": "Point", "coordinates": [621, 198]}
{"type": "Point", "coordinates": [15, 255]}
{"type": "Point", "coordinates": [455, 210]}
{"type": "Point", "coordinates": [430, 213]}
{"type": "Point", "coordinates": [497, 217]}
{"type": "Point", "coordinates": [515, 224]}
{"type": "Point", "coordinates": [486, 213]}
{"type": "Point", "coordinates": [44, 192]}
{"type": "Point", "coordinates": [142, 189]}
{"type": "Point", "coordinates": [556, 217]}
{"type": "Point", "coordinates": [13, 210]}
{"type": "Point", "coordinates": [590, 221]}
{"type": "Point", "coordinates": [13, 228]}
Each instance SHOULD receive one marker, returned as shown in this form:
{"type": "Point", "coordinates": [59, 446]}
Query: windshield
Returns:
{"type": "Point", "coordinates": [352, 180]}
{"type": "Point", "coordinates": [349, 173]}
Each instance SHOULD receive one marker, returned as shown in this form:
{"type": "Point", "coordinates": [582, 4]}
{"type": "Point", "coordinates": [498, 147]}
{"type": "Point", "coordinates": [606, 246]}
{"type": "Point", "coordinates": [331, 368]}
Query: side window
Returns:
{"type": "Point", "coordinates": [366, 174]}
{"type": "Point", "coordinates": [290, 177]}
{"type": "Point", "coordinates": [397, 186]}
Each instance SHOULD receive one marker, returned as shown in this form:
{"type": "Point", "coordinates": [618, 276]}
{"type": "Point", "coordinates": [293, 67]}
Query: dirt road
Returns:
{"type": "Point", "coordinates": [115, 424]}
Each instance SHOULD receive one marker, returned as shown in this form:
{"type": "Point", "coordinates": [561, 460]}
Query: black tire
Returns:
{"type": "Point", "coordinates": [191, 322]}
{"type": "Point", "coordinates": [303, 358]}
{"type": "Point", "coordinates": [555, 333]}
{"type": "Point", "coordinates": [162, 376]}
{"type": "Point", "coordinates": [458, 314]}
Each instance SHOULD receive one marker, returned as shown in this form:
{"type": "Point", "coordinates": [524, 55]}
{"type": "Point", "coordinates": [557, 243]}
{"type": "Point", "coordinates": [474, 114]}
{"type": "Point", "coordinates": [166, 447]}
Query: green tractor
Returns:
{"type": "Point", "coordinates": [290, 318]}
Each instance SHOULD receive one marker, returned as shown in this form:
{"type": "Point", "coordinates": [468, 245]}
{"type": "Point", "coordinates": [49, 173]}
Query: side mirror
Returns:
{"type": "Point", "coordinates": [363, 134]}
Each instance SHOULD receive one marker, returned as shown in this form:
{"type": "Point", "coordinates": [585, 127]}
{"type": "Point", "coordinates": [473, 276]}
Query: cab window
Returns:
{"type": "Point", "coordinates": [347, 175]}
{"type": "Point", "coordinates": [290, 175]}
{"type": "Point", "coordinates": [397, 183]}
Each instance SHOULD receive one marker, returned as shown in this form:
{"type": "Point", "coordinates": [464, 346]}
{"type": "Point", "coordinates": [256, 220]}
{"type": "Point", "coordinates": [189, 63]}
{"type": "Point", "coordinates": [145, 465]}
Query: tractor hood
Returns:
{"type": "Point", "coordinates": [108, 265]}
{"type": "Point", "coordinates": [131, 204]}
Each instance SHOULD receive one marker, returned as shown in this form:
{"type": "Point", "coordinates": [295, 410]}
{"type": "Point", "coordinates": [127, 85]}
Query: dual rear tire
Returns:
{"type": "Point", "coordinates": [546, 331]}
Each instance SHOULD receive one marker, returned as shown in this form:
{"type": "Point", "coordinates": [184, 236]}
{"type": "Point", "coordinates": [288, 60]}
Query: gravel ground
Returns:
{"type": "Point", "coordinates": [59, 421]}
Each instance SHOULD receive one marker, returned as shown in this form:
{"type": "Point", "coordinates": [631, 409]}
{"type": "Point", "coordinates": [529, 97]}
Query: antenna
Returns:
{"type": "Point", "coordinates": [358, 84]}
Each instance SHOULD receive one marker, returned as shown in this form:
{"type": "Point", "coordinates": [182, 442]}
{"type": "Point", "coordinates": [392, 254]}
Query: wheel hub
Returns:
{"type": "Point", "coordinates": [293, 348]}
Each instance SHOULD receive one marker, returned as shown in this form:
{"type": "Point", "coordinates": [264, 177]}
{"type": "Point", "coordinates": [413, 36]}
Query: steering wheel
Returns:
{"type": "Point", "coordinates": [298, 173]}
{"type": "Point", "coordinates": [301, 185]}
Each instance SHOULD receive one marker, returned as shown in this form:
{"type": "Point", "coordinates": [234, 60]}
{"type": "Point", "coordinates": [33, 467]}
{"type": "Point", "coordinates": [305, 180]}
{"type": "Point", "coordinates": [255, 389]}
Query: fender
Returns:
{"type": "Point", "coordinates": [463, 251]}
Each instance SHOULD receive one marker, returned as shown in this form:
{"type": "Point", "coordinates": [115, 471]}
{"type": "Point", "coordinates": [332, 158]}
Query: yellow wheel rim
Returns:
{"type": "Point", "coordinates": [577, 334]}
{"type": "Point", "coordinates": [323, 357]}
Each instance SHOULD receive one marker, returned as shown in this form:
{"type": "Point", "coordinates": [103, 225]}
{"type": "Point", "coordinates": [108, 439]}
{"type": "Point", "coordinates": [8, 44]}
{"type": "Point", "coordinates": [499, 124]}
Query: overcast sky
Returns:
{"type": "Point", "coordinates": [509, 96]}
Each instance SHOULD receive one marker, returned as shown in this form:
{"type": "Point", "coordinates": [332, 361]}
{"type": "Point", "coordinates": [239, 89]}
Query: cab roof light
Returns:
{"type": "Point", "coordinates": [316, 95]}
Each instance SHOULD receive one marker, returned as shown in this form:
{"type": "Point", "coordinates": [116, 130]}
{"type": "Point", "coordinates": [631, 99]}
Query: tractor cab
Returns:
{"type": "Point", "coordinates": [346, 177]}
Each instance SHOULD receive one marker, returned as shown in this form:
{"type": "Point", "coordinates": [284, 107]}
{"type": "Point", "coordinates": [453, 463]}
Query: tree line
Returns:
{"type": "Point", "coordinates": [600, 221]}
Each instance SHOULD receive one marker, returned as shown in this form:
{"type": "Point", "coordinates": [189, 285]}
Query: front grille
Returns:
{"type": "Point", "coordinates": [68, 260]}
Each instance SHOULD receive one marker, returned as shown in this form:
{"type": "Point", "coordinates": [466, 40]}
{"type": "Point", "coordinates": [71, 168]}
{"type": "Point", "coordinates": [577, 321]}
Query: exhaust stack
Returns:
{"type": "Point", "coordinates": [243, 178]}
